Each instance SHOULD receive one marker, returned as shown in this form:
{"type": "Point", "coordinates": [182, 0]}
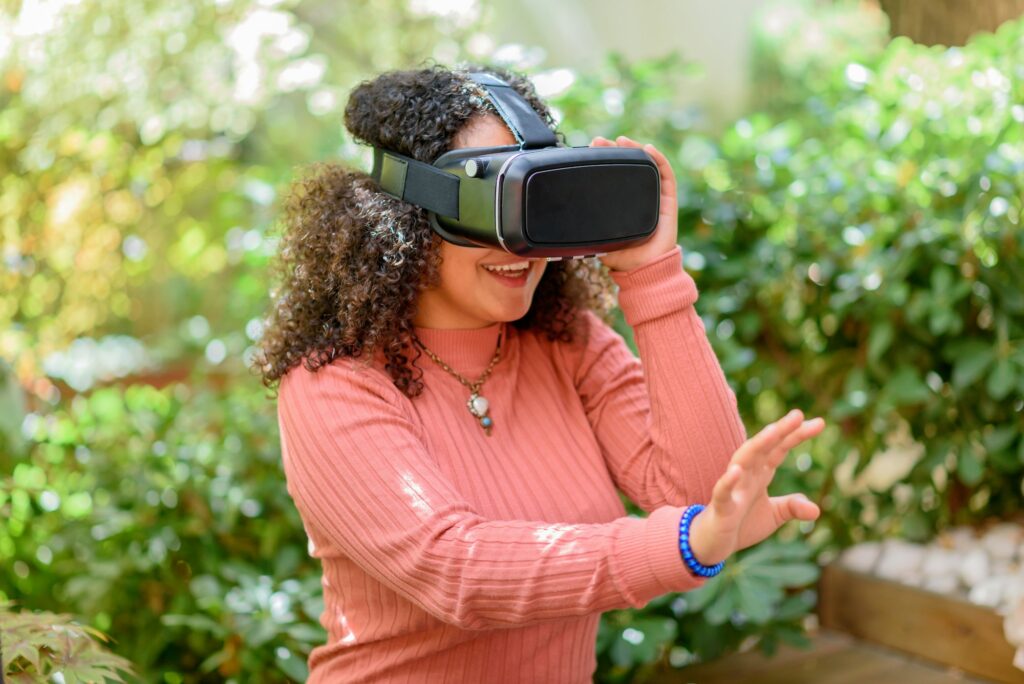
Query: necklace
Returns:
{"type": "Point", "coordinates": [478, 406]}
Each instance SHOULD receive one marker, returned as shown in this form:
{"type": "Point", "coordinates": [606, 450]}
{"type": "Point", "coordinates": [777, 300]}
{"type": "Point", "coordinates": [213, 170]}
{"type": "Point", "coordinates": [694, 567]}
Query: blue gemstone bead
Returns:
{"type": "Point", "coordinates": [485, 421]}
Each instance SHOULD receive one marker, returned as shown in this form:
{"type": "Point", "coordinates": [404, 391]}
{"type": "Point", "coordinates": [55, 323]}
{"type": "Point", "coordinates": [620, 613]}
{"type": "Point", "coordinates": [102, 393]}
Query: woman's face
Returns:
{"type": "Point", "coordinates": [477, 288]}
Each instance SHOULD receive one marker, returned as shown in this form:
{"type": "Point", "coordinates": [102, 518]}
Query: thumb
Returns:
{"type": "Point", "coordinates": [794, 507]}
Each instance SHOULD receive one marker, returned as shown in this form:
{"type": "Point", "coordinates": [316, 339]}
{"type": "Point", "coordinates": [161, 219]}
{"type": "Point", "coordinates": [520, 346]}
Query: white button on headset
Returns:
{"type": "Point", "coordinates": [475, 168]}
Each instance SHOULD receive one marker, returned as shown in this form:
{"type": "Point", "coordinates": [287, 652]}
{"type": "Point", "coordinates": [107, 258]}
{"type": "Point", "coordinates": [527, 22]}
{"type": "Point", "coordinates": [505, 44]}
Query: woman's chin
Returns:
{"type": "Point", "coordinates": [507, 314]}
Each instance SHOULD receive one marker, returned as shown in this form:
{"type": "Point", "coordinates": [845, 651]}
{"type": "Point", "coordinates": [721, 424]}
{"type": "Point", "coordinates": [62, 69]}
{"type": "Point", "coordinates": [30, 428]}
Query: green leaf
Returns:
{"type": "Point", "coordinates": [1002, 379]}
{"type": "Point", "coordinates": [786, 574]}
{"type": "Point", "coordinates": [771, 551]}
{"type": "Point", "coordinates": [12, 411]}
{"type": "Point", "coordinates": [621, 652]}
{"type": "Point", "coordinates": [796, 605]}
{"type": "Point", "coordinates": [942, 320]}
{"type": "Point", "coordinates": [969, 467]}
{"type": "Point", "coordinates": [879, 340]}
{"type": "Point", "coordinates": [698, 599]}
{"type": "Point", "coordinates": [916, 526]}
{"type": "Point", "coordinates": [971, 364]}
{"type": "Point", "coordinates": [655, 631]}
{"type": "Point", "coordinates": [306, 633]}
{"type": "Point", "coordinates": [792, 636]}
{"type": "Point", "coordinates": [260, 632]}
{"type": "Point", "coordinates": [1000, 438]}
{"type": "Point", "coordinates": [722, 608]}
{"type": "Point", "coordinates": [756, 598]}
{"type": "Point", "coordinates": [196, 623]}
{"type": "Point", "coordinates": [293, 667]}
{"type": "Point", "coordinates": [907, 387]}
{"type": "Point", "coordinates": [942, 280]}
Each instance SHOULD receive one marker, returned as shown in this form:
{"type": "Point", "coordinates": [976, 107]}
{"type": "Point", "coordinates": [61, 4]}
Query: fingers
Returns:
{"type": "Point", "coordinates": [806, 430]}
{"type": "Point", "coordinates": [664, 167]}
{"type": "Point", "coordinates": [668, 176]}
{"type": "Point", "coordinates": [793, 507]}
{"type": "Point", "coordinates": [771, 436]}
{"type": "Point", "coordinates": [621, 141]}
{"type": "Point", "coordinates": [722, 494]}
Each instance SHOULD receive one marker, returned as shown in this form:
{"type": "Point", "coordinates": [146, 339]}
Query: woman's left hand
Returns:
{"type": "Point", "coordinates": [741, 513]}
{"type": "Point", "coordinates": [666, 234]}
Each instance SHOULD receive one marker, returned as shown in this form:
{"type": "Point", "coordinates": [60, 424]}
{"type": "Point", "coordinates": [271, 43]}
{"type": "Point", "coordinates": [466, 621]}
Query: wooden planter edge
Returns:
{"type": "Point", "coordinates": [943, 629]}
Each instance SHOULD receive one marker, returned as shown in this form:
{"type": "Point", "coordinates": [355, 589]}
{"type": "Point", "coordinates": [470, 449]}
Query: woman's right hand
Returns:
{"type": "Point", "coordinates": [741, 513]}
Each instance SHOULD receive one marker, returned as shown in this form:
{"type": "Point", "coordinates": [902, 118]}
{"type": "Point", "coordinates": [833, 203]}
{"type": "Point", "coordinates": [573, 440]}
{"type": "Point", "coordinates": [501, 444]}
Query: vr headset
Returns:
{"type": "Point", "coordinates": [533, 199]}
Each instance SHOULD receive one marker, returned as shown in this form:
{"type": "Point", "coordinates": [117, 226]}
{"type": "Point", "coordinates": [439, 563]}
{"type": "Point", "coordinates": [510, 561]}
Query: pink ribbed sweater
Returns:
{"type": "Point", "coordinates": [453, 556]}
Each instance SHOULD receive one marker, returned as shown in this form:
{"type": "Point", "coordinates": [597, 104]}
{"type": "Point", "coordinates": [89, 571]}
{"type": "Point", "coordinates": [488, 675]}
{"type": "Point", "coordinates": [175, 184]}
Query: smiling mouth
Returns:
{"type": "Point", "coordinates": [511, 275]}
{"type": "Point", "coordinates": [509, 270]}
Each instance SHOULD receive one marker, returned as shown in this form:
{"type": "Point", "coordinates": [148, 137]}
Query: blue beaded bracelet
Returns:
{"type": "Point", "coordinates": [694, 565]}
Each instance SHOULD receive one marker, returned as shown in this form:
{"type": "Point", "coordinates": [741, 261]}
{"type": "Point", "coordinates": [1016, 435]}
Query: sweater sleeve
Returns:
{"type": "Point", "coordinates": [669, 425]}
{"type": "Point", "coordinates": [360, 474]}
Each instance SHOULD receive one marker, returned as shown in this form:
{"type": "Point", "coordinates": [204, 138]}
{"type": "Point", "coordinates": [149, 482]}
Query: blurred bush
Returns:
{"type": "Point", "coordinates": [161, 515]}
{"type": "Point", "coordinates": [861, 257]}
{"type": "Point", "coordinates": [143, 146]}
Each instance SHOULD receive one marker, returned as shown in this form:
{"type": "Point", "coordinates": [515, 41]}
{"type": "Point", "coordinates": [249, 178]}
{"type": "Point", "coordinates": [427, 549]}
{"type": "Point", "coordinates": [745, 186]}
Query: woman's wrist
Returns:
{"type": "Point", "coordinates": [702, 543]}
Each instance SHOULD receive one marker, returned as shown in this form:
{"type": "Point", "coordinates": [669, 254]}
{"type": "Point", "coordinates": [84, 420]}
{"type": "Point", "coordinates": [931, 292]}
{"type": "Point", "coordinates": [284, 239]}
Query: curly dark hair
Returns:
{"type": "Point", "coordinates": [353, 259]}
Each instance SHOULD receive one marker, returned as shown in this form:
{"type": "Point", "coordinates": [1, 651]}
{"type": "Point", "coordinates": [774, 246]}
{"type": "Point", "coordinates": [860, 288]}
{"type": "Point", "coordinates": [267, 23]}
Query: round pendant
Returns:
{"type": "Point", "coordinates": [478, 406]}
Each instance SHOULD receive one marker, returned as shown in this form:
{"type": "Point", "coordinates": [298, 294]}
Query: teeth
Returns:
{"type": "Point", "coordinates": [511, 269]}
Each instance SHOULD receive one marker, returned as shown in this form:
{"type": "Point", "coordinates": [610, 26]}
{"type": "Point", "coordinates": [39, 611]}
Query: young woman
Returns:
{"type": "Point", "coordinates": [456, 422]}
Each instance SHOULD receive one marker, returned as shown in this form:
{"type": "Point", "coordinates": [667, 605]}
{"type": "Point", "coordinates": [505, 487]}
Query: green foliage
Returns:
{"type": "Point", "coordinates": [755, 597]}
{"type": "Point", "coordinates": [37, 646]}
{"type": "Point", "coordinates": [12, 410]}
{"type": "Point", "coordinates": [862, 259]}
{"type": "Point", "coordinates": [800, 45]}
{"type": "Point", "coordinates": [141, 176]}
{"type": "Point", "coordinates": [163, 516]}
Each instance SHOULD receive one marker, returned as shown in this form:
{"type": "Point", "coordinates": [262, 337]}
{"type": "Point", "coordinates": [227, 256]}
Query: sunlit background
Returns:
{"type": "Point", "coordinates": [850, 204]}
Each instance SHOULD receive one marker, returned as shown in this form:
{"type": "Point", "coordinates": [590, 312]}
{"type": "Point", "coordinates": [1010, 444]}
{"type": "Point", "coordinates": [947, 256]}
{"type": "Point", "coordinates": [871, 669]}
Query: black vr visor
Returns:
{"type": "Point", "coordinates": [534, 199]}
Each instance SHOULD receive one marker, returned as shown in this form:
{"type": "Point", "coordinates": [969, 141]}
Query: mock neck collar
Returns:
{"type": "Point", "coordinates": [467, 351]}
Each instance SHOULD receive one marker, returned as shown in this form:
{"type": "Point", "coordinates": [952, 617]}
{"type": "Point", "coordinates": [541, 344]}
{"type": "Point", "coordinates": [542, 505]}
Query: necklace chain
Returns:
{"type": "Point", "coordinates": [478, 406]}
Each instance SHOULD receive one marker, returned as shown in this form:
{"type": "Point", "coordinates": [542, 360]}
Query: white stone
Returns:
{"type": "Point", "coordinates": [912, 579]}
{"type": "Point", "coordinates": [479, 406]}
{"type": "Point", "coordinates": [942, 584]}
{"type": "Point", "coordinates": [1002, 541]}
{"type": "Point", "coordinates": [861, 557]}
{"type": "Point", "coordinates": [1001, 566]}
{"type": "Point", "coordinates": [975, 567]}
{"type": "Point", "coordinates": [940, 562]}
{"type": "Point", "coordinates": [959, 538]}
{"type": "Point", "coordinates": [1013, 626]}
{"type": "Point", "coordinates": [988, 592]}
{"type": "Point", "coordinates": [1013, 592]}
{"type": "Point", "coordinates": [901, 560]}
